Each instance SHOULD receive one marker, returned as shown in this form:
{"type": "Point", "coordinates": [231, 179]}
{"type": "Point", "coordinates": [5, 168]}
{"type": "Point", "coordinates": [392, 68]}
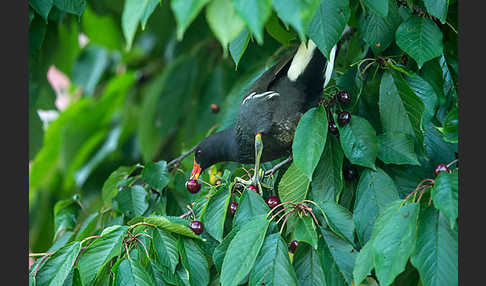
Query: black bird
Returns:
{"type": "Point", "coordinates": [269, 112]}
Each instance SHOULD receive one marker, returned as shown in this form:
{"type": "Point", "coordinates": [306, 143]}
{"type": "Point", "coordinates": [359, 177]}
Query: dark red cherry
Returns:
{"type": "Point", "coordinates": [332, 128]}
{"type": "Point", "coordinates": [253, 188]}
{"type": "Point", "coordinates": [293, 246]}
{"type": "Point", "coordinates": [193, 186]}
{"type": "Point", "coordinates": [343, 97]}
{"type": "Point", "coordinates": [272, 201]}
{"type": "Point", "coordinates": [440, 168]}
{"type": "Point", "coordinates": [196, 226]}
{"type": "Point", "coordinates": [232, 208]}
{"type": "Point", "coordinates": [350, 173]}
{"type": "Point", "coordinates": [344, 118]}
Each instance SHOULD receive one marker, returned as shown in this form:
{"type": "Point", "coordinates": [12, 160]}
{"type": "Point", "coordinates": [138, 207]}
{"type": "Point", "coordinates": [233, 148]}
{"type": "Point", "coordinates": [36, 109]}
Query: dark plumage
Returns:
{"type": "Point", "coordinates": [272, 106]}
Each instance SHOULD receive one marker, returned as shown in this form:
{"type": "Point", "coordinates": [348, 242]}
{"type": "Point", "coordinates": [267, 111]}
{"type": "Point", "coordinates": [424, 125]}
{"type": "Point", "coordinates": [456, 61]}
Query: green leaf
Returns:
{"type": "Point", "coordinates": [435, 254]}
{"type": "Point", "coordinates": [328, 24]}
{"type": "Point", "coordinates": [359, 142]}
{"type": "Point", "coordinates": [220, 250]}
{"type": "Point", "coordinates": [375, 191]}
{"type": "Point", "coordinates": [394, 240]}
{"type": "Point", "coordinates": [275, 29]}
{"type": "Point", "coordinates": [445, 193]}
{"type": "Point", "coordinates": [71, 6]}
{"type": "Point", "coordinates": [168, 224]}
{"type": "Point", "coordinates": [165, 246]}
{"type": "Point", "coordinates": [379, 31]}
{"type": "Point", "coordinates": [380, 7]}
{"type": "Point", "coordinates": [89, 67]}
{"type": "Point", "coordinates": [248, 242]}
{"type": "Point", "coordinates": [185, 11]}
{"type": "Point", "coordinates": [327, 180]}
{"type": "Point", "coordinates": [135, 11]}
{"type": "Point", "coordinates": [343, 253]}
{"type": "Point", "coordinates": [65, 214]}
{"type": "Point", "coordinates": [297, 13]}
{"type": "Point", "coordinates": [215, 214]}
{"type": "Point", "coordinates": [437, 8]}
{"type": "Point", "coordinates": [224, 21]}
{"type": "Point", "coordinates": [88, 226]}
{"type": "Point", "coordinates": [238, 46]}
{"type": "Point", "coordinates": [400, 109]}
{"type": "Point", "coordinates": [55, 270]}
{"type": "Point", "coordinates": [363, 263]}
{"type": "Point", "coordinates": [305, 231]}
{"type": "Point", "coordinates": [102, 30]}
{"type": "Point", "coordinates": [42, 7]}
{"type": "Point", "coordinates": [194, 261]}
{"type": "Point", "coordinates": [397, 148]}
{"type": "Point", "coordinates": [149, 9]}
{"type": "Point", "coordinates": [255, 13]}
{"type": "Point", "coordinates": [293, 185]}
{"type": "Point", "coordinates": [132, 272]}
{"type": "Point", "coordinates": [339, 219]}
{"type": "Point", "coordinates": [100, 252]}
{"type": "Point", "coordinates": [420, 38]}
{"type": "Point", "coordinates": [132, 201]}
{"type": "Point", "coordinates": [309, 140]}
{"type": "Point", "coordinates": [450, 126]}
{"type": "Point", "coordinates": [426, 93]}
{"type": "Point", "coordinates": [156, 175]}
{"type": "Point", "coordinates": [251, 205]}
{"type": "Point", "coordinates": [272, 265]}
{"type": "Point", "coordinates": [110, 190]}
{"type": "Point", "coordinates": [308, 267]}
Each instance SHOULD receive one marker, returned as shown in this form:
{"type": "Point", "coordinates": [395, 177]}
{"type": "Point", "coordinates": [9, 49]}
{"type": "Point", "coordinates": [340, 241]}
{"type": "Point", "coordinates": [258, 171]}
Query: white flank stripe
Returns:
{"type": "Point", "coordinates": [301, 60]}
{"type": "Point", "coordinates": [330, 66]}
{"type": "Point", "coordinates": [254, 95]}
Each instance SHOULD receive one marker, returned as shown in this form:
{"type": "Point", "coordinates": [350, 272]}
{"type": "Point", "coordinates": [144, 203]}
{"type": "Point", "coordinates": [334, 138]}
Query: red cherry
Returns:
{"type": "Point", "coordinates": [343, 97]}
{"type": "Point", "coordinates": [253, 188]}
{"type": "Point", "coordinates": [193, 186]}
{"type": "Point", "coordinates": [293, 246]}
{"type": "Point", "coordinates": [196, 226]}
{"type": "Point", "coordinates": [344, 118]}
{"type": "Point", "coordinates": [440, 168]}
{"type": "Point", "coordinates": [332, 128]}
{"type": "Point", "coordinates": [232, 208]}
{"type": "Point", "coordinates": [272, 201]}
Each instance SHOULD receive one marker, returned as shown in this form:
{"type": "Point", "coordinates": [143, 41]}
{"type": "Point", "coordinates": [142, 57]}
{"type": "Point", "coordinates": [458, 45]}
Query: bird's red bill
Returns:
{"type": "Point", "coordinates": [196, 171]}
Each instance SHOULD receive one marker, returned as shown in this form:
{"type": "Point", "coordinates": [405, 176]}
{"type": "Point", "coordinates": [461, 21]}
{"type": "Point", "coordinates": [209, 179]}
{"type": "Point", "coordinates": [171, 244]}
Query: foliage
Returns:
{"type": "Point", "coordinates": [106, 206]}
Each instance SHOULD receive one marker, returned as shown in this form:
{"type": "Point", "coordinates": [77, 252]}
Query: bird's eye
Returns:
{"type": "Point", "coordinates": [199, 152]}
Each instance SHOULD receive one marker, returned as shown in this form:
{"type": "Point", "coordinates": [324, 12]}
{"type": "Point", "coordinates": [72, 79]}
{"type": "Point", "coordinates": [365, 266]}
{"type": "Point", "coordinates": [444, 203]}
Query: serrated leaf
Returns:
{"type": "Point", "coordinates": [394, 240]}
{"type": "Point", "coordinates": [131, 272]}
{"type": "Point", "coordinates": [374, 192]}
{"type": "Point", "coordinates": [445, 193]}
{"type": "Point", "coordinates": [156, 174]}
{"type": "Point", "coordinates": [420, 38]}
{"type": "Point", "coordinates": [272, 265]}
{"type": "Point", "coordinates": [296, 13]}
{"type": "Point", "coordinates": [168, 224]}
{"type": "Point", "coordinates": [251, 205]}
{"type": "Point", "coordinates": [220, 250]}
{"type": "Point", "coordinates": [255, 13]}
{"type": "Point", "coordinates": [310, 140]}
{"type": "Point", "coordinates": [339, 219]}
{"type": "Point", "coordinates": [305, 231]}
{"type": "Point", "coordinates": [363, 263]}
{"type": "Point", "coordinates": [71, 6]}
{"type": "Point", "coordinates": [247, 241]}
{"type": "Point", "coordinates": [238, 46]}
{"type": "Point", "coordinates": [165, 245]}
{"type": "Point", "coordinates": [224, 21]}
{"type": "Point", "coordinates": [293, 185]}
{"type": "Point", "coordinates": [397, 148]}
{"type": "Point", "coordinates": [215, 214]}
{"type": "Point", "coordinates": [42, 7]}
{"type": "Point", "coordinates": [332, 273]}
{"type": "Point", "coordinates": [194, 261]}
{"type": "Point", "coordinates": [342, 252]}
{"type": "Point", "coordinates": [327, 180]}
{"type": "Point", "coordinates": [328, 24]}
{"type": "Point", "coordinates": [308, 267]}
{"type": "Point", "coordinates": [185, 11]}
{"type": "Point", "coordinates": [437, 8]}
{"type": "Point", "coordinates": [426, 93]}
{"type": "Point", "coordinates": [132, 201]}
{"type": "Point", "coordinates": [380, 7]}
{"type": "Point", "coordinates": [435, 254]}
{"type": "Point", "coordinates": [359, 142]}
{"type": "Point", "coordinates": [99, 252]}
{"type": "Point", "coordinates": [55, 270]}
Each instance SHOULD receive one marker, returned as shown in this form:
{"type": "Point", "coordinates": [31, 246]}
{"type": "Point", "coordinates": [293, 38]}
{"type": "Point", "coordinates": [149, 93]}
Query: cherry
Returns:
{"type": "Point", "coordinates": [332, 128]}
{"type": "Point", "coordinates": [404, 60]}
{"type": "Point", "coordinates": [253, 188]}
{"type": "Point", "coordinates": [350, 173]}
{"type": "Point", "coordinates": [214, 108]}
{"type": "Point", "coordinates": [344, 118]}
{"type": "Point", "coordinates": [343, 97]}
{"type": "Point", "coordinates": [196, 226]}
{"type": "Point", "coordinates": [272, 201]}
{"type": "Point", "coordinates": [193, 186]}
{"type": "Point", "coordinates": [232, 208]}
{"type": "Point", "coordinates": [293, 246]}
{"type": "Point", "coordinates": [440, 168]}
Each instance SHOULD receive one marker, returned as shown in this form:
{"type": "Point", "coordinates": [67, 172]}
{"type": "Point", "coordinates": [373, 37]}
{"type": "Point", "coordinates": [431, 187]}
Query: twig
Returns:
{"type": "Point", "coordinates": [179, 159]}
{"type": "Point", "coordinates": [278, 166]}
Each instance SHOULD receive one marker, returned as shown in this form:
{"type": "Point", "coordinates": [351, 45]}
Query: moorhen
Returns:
{"type": "Point", "coordinates": [269, 112]}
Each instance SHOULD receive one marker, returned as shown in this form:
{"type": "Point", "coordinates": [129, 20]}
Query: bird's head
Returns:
{"type": "Point", "coordinates": [202, 160]}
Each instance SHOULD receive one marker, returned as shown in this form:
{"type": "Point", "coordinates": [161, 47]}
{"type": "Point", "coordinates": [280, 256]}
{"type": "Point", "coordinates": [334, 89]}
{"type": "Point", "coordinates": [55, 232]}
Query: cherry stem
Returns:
{"type": "Point", "coordinates": [431, 182]}
{"type": "Point", "coordinates": [42, 261]}
{"type": "Point", "coordinates": [292, 210]}
{"type": "Point", "coordinates": [146, 252]}
{"type": "Point", "coordinates": [126, 249]}
{"type": "Point", "coordinates": [285, 208]}
{"type": "Point", "coordinates": [281, 204]}
{"type": "Point", "coordinates": [278, 166]}
{"type": "Point", "coordinates": [140, 223]}
{"type": "Point", "coordinates": [448, 165]}
{"type": "Point", "coordinates": [89, 237]}
{"type": "Point", "coordinates": [424, 188]}
{"type": "Point", "coordinates": [181, 157]}
{"type": "Point", "coordinates": [285, 220]}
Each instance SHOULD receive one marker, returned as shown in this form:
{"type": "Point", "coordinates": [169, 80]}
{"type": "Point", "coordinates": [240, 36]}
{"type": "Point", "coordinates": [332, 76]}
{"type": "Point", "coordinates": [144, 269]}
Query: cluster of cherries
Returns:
{"type": "Point", "coordinates": [343, 117]}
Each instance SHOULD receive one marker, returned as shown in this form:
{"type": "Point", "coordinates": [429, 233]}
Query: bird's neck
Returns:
{"type": "Point", "coordinates": [225, 145]}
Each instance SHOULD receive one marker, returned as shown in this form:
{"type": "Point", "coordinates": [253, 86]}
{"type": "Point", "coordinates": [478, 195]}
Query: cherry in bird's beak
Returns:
{"type": "Point", "coordinates": [196, 171]}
